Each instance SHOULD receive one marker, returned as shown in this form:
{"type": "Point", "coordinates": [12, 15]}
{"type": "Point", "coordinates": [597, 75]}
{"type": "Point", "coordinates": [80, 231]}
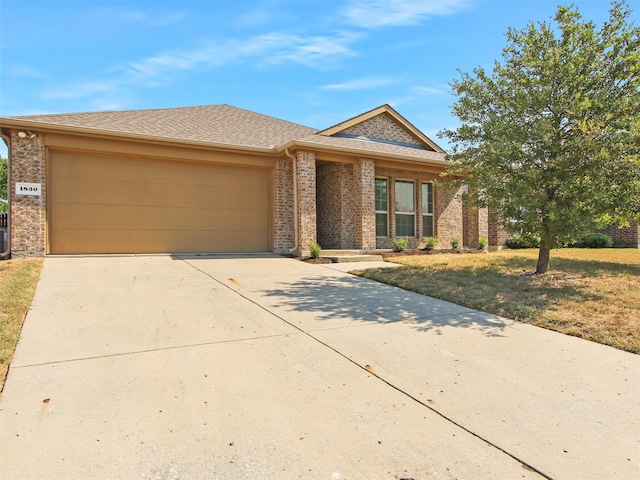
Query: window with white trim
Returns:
{"type": "Point", "coordinates": [405, 209]}
{"type": "Point", "coordinates": [427, 210]}
{"type": "Point", "coordinates": [382, 208]}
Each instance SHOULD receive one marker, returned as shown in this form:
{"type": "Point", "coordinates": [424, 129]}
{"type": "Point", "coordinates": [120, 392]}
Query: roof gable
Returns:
{"type": "Point", "coordinates": [383, 124]}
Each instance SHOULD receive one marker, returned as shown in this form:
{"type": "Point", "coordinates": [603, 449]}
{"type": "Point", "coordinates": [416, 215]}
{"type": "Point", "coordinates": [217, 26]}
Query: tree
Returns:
{"type": "Point", "coordinates": [3, 185]}
{"type": "Point", "coordinates": [551, 138]}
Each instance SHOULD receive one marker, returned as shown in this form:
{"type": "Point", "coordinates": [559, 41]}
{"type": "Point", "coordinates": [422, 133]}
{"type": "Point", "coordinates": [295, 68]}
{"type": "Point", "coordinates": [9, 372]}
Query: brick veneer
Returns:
{"type": "Point", "coordinates": [306, 190]}
{"type": "Point", "coordinates": [447, 209]}
{"type": "Point", "coordinates": [283, 218]}
{"type": "Point", "coordinates": [475, 225]}
{"type": "Point", "coordinates": [624, 237]}
{"type": "Point", "coordinates": [28, 213]}
{"type": "Point", "coordinates": [335, 206]}
{"type": "Point", "coordinates": [384, 127]}
{"type": "Point", "coordinates": [364, 188]}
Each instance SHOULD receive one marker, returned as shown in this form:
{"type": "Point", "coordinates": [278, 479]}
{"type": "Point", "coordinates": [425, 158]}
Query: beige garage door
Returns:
{"type": "Point", "coordinates": [128, 205]}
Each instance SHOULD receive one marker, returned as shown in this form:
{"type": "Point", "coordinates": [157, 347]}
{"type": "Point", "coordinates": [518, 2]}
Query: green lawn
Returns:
{"type": "Point", "coordinates": [18, 279]}
{"type": "Point", "coordinates": [589, 293]}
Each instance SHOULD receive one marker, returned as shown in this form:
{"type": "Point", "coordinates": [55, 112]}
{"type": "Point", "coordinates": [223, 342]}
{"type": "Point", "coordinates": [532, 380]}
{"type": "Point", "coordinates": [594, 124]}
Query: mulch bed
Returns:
{"type": "Point", "coordinates": [398, 254]}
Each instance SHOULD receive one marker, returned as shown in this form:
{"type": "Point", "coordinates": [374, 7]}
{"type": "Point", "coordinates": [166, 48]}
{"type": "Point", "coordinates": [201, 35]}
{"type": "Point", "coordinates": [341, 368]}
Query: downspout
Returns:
{"type": "Point", "coordinates": [295, 201]}
{"type": "Point", "coordinates": [7, 253]}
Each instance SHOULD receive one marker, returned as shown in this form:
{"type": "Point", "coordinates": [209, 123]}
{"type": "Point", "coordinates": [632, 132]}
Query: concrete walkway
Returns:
{"type": "Point", "coordinates": [265, 368]}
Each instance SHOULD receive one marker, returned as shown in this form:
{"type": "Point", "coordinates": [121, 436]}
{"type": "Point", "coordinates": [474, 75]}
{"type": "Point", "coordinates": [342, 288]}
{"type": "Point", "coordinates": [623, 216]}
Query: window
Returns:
{"type": "Point", "coordinates": [382, 208]}
{"type": "Point", "coordinates": [405, 209]}
{"type": "Point", "coordinates": [427, 210]}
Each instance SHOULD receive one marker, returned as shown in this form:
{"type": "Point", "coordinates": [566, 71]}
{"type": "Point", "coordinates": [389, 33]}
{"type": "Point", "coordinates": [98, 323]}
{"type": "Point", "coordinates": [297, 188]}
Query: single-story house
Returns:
{"type": "Point", "coordinates": [223, 179]}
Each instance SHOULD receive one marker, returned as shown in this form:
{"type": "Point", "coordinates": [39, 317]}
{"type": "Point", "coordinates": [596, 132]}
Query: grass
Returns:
{"type": "Point", "coordinates": [18, 280]}
{"type": "Point", "coordinates": [589, 293]}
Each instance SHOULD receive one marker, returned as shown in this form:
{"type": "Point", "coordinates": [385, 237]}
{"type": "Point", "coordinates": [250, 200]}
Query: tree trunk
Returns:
{"type": "Point", "coordinates": [543, 259]}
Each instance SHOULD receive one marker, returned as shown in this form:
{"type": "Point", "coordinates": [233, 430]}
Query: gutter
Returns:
{"type": "Point", "coordinates": [295, 201]}
{"type": "Point", "coordinates": [7, 253]}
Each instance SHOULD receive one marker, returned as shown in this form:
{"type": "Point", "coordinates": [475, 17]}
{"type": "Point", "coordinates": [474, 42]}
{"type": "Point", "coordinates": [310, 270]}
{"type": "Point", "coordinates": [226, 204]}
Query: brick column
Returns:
{"type": "Point", "coordinates": [283, 215]}
{"type": "Point", "coordinates": [364, 186]}
{"type": "Point", "coordinates": [306, 189]}
{"type": "Point", "coordinates": [28, 213]}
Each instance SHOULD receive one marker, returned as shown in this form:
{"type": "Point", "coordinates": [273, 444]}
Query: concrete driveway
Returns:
{"type": "Point", "coordinates": [265, 368]}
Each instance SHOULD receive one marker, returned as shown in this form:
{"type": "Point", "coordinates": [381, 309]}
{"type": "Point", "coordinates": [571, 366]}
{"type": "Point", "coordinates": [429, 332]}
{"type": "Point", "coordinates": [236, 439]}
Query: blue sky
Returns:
{"type": "Point", "coordinates": [314, 62]}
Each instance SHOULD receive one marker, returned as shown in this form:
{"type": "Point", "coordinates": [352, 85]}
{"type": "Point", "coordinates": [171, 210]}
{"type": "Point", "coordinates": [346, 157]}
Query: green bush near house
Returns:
{"type": "Point", "coordinates": [430, 244]}
{"type": "Point", "coordinates": [400, 244]}
{"type": "Point", "coordinates": [316, 250]}
{"type": "Point", "coordinates": [524, 240]}
{"type": "Point", "coordinates": [482, 243]}
{"type": "Point", "coordinates": [595, 240]}
{"type": "Point", "coordinates": [455, 243]}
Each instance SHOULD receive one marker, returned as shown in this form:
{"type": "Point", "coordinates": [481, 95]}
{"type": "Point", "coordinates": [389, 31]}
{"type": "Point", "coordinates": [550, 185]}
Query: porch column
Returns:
{"type": "Point", "coordinates": [28, 212]}
{"type": "Point", "coordinates": [306, 200]}
{"type": "Point", "coordinates": [364, 221]}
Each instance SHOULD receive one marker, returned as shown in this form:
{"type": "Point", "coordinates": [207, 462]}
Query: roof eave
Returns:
{"type": "Point", "coordinates": [362, 153]}
{"type": "Point", "coordinates": [13, 123]}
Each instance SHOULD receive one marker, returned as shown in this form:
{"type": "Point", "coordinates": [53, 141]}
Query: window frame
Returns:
{"type": "Point", "coordinates": [382, 212]}
{"type": "Point", "coordinates": [398, 212]}
{"type": "Point", "coordinates": [425, 207]}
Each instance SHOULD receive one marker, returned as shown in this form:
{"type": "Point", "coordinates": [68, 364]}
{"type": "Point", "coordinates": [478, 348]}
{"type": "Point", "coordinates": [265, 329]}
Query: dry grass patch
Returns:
{"type": "Point", "coordinates": [588, 293]}
{"type": "Point", "coordinates": [18, 279]}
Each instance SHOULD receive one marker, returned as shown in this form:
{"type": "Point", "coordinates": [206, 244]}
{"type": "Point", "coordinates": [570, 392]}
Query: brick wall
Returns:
{"type": "Point", "coordinates": [475, 225]}
{"type": "Point", "coordinates": [497, 235]}
{"type": "Point", "coordinates": [447, 209]}
{"type": "Point", "coordinates": [384, 127]}
{"type": "Point", "coordinates": [624, 237]}
{"type": "Point", "coordinates": [306, 189]}
{"type": "Point", "coordinates": [335, 206]}
{"type": "Point", "coordinates": [28, 213]}
{"type": "Point", "coordinates": [448, 215]}
{"type": "Point", "coordinates": [364, 188]}
{"type": "Point", "coordinates": [283, 218]}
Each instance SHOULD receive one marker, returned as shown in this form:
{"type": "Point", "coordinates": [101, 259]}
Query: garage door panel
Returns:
{"type": "Point", "coordinates": [124, 205]}
{"type": "Point", "coordinates": [111, 192]}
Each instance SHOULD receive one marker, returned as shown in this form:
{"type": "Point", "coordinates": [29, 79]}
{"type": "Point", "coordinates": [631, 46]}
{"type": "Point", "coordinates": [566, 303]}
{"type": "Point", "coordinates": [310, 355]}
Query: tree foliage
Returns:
{"type": "Point", "coordinates": [551, 137]}
{"type": "Point", "coordinates": [3, 185]}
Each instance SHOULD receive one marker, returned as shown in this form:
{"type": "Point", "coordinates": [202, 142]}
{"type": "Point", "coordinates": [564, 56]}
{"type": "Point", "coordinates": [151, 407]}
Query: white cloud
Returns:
{"type": "Point", "coordinates": [317, 52]}
{"type": "Point", "coordinates": [427, 91]}
{"type": "Point", "coordinates": [25, 71]}
{"type": "Point", "coordinates": [160, 20]}
{"type": "Point", "coordinates": [361, 84]}
{"type": "Point", "coordinates": [384, 13]}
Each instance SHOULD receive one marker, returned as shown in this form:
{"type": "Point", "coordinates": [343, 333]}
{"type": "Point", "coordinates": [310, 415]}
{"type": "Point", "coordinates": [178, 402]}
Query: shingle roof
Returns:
{"type": "Point", "coordinates": [355, 144]}
{"type": "Point", "coordinates": [220, 125]}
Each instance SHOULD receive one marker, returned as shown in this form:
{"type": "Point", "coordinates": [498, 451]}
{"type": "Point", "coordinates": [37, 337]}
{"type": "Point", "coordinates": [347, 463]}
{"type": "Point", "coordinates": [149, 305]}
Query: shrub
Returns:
{"type": "Point", "coordinates": [482, 243]}
{"type": "Point", "coordinates": [430, 244]}
{"type": "Point", "coordinates": [455, 243]}
{"type": "Point", "coordinates": [595, 240]}
{"type": "Point", "coordinates": [525, 240]}
{"type": "Point", "coordinates": [400, 244]}
{"type": "Point", "coordinates": [315, 250]}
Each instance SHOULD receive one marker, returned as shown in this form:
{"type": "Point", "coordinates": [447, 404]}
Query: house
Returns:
{"type": "Point", "coordinates": [222, 179]}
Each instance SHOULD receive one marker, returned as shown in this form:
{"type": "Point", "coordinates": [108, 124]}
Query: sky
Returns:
{"type": "Point", "coordinates": [313, 62]}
